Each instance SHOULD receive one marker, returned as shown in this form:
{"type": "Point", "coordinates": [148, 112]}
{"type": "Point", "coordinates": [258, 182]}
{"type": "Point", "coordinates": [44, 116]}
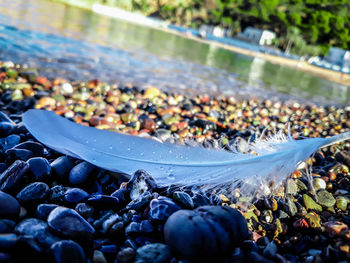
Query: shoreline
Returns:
{"type": "Point", "coordinates": [117, 13]}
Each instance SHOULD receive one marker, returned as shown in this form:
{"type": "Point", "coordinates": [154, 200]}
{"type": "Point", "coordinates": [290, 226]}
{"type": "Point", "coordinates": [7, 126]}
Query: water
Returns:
{"type": "Point", "coordinates": [79, 45]}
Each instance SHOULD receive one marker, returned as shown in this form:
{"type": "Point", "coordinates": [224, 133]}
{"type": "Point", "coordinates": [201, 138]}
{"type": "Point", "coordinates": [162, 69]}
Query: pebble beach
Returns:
{"type": "Point", "coordinates": [55, 208]}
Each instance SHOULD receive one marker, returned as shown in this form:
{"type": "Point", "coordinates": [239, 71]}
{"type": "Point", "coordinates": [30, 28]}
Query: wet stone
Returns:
{"type": "Point", "coordinates": [319, 183]}
{"type": "Point", "coordinates": [122, 195]}
{"type": "Point", "coordinates": [9, 142]}
{"type": "Point", "coordinates": [38, 230]}
{"type": "Point", "coordinates": [33, 193]}
{"type": "Point", "coordinates": [183, 199]}
{"type": "Point", "coordinates": [40, 168]}
{"type": "Point", "coordinates": [292, 187]}
{"type": "Point", "coordinates": [103, 202]}
{"type": "Point", "coordinates": [68, 223]}
{"type": "Point", "coordinates": [325, 198]}
{"type": "Point", "coordinates": [98, 257]}
{"type": "Point", "coordinates": [9, 206]}
{"type": "Point", "coordinates": [162, 208]}
{"type": "Point", "coordinates": [6, 226]}
{"type": "Point", "coordinates": [75, 195]}
{"type": "Point", "coordinates": [127, 255]}
{"type": "Point", "coordinates": [139, 183]}
{"type": "Point", "coordinates": [61, 167]}
{"type": "Point", "coordinates": [301, 186]}
{"type": "Point", "coordinates": [19, 154]}
{"type": "Point", "coordinates": [6, 129]}
{"type": "Point", "coordinates": [310, 204]}
{"type": "Point", "coordinates": [313, 219]}
{"type": "Point", "coordinates": [153, 253]}
{"type": "Point", "coordinates": [270, 250]}
{"type": "Point", "coordinates": [146, 226]}
{"type": "Point", "coordinates": [35, 148]}
{"type": "Point", "coordinates": [140, 202]}
{"type": "Point", "coordinates": [56, 194]}
{"type": "Point", "coordinates": [11, 178]}
{"type": "Point", "coordinates": [7, 240]}
{"type": "Point", "coordinates": [81, 173]}
{"type": "Point", "coordinates": [43, 210]}
{"type": "Point", "coordinates": [67, 251]}
{"type": "Point", "coordinates": [291, 207]}
{"type": "Point", "coordinates": [200, 200]}
{"type": "Point", "coordinates": [110, 221]}
{"type": "Point", "coordinates": [85, 210]}
{"type": "Point", "coordinates": [132, 228]}
{"type": "Point", "coordinates": [342, 202]}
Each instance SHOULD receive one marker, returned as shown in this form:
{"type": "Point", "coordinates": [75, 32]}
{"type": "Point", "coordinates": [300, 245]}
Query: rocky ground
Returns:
{"type": "Point", "coordinates": [56, 208]}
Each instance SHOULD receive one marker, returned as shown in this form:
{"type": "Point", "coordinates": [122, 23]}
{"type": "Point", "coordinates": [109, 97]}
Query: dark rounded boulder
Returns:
{"type": "Point", "coordinates": [207, 232]}
{"type": "Point", "coordinates": [67, 251]}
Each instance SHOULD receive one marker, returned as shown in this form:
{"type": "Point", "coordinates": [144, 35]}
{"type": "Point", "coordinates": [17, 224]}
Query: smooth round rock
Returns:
{"type": "Point", "coordinates": [81, 173]}
{"type": "Point", "coordinates": [183, 199]}
{"type": "Point", "coordinates": [6, 128]}
{"type": "Point", "coordinates": [61, 167]}
{"type": "Point", "coordinates": [9, 206]}
{"type": "Point", "coordinates": [162, 208]}
{"type": "Point", "coordinates": [68, 223]}
{"type": "Point", "coordinates": [127, 255]}
{"type": "Point", "coordinates": [33, 193]}
{"type": "Point", "coordinates": [75, 195]}
{"type": "Point", "coordinates": [36, 148]}
{"type": "Point", "coordinates": [19, 154]}
{"type": "Point", "coordinates": [43, 210]}
{"type": "Point", "coordinates": [9, 142]}
{"type": "Point", "coordinates": [67, 251]}
{"type": "Point", "coordinates": [153, 253]}
{"type": "Point", "coordinates": [190, 233]}
{"type": "Point", "coordinates": [12, 177]}
{"type": "Point", "coordinates": [38, 230]}
{"type": "Point", "coordinates": [40, 168]}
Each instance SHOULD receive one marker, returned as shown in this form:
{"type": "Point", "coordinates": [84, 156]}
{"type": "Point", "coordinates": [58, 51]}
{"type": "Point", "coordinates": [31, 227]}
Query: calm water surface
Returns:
{"type": "Point", "coordinates": [67, 41]}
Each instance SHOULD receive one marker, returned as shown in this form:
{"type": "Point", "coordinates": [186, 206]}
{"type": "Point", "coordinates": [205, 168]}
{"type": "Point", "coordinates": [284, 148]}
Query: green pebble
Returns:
{"type": "Point", "coordinates": [17, 95]}
{"type": "Point", "coordinates": [311, 204]}
{"type": "Point", "coordinates": [12, 73]}
{"type": "Point", "coordinates": [325, 198]}
{"type": "Point", "coordinates": [342, 203]}
{"type": "Point", "coordinates": [301, 185]}
{"type": "Point", "coordinates": [314, 220]}
{"type": "Point", "coordinates": [292, 187]}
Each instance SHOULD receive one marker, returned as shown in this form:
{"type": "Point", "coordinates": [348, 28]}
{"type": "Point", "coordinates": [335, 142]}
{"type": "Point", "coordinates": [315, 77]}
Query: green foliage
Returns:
{"type": "Point", "coordinates": [311, 25]}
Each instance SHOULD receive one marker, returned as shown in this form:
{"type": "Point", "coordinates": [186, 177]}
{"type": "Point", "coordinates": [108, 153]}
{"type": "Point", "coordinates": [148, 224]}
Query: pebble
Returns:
{"type": "Point", "coordinates": [38, 230]}
{"type": "Point", "coordinates": [270, 250]}
{"type": "Point", "coordinates": [104, 202]}
{"type": "Point", "coordinates": [81, 173]}
{"type": "Point", "coordinates": [9, 206]}
{"type": "Point", "coordinates": [127, 255]}
{"type": "Point", "coordinates": [85, 210]}
{"type": "Point", "coordinates": [342, 202]}
{"type": "Point", "coordinates": [311, 204]}
{"type": "Point", "coordinates": [67, 251]}
{"type": "Point", "coordinates": [33, 193]}
{"type": "Point", "coordinates": [43, 210]}
{"type": "Point", "coordinates": [183, 199]}
{"type": "Point", "coordinates": [334, 229]}
{"type": "Point", "coordinates": [6, 128]}
{"type": "Point", "coordinates": [9, 141]}
{"type": "Point", "coordinates": [98, 257]}
{"type": "Point", "coordinates": [139, 183]}
{"type": "Point", "coordinates": [162, 208]}
{"type": "Point", "coordinates": [153, 253]}
{"type": "Point", "coordinates": [19, 154]}
{"type": "Point", "coordinates": [140, 202]}
{"type": "Point", "coordinates": [325, 198]}
{"type": "Point", "coordinates": [68, 223]}
{"type": "Point", "coordinates": [37, 149]}
{"type": "Point", "coordinates": [319, 183]}
{"type": "Point", "coordinates": [40, 168]}
{"type": "Point", "coordinates": [75, 196]}
{"type": "Point", "coordinates": [61, 167]}
{"type": "Point", "coordinates": [7, 241]}
{"type": "Point", "coordinates": [11, 178]}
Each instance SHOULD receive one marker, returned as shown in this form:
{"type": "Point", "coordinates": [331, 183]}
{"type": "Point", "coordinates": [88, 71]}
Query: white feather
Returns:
{"type": "Point", "coordinates": [274, 159]}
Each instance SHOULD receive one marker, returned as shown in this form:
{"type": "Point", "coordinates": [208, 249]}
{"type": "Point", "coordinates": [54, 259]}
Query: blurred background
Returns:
{"type": "Point", "coordinates": [178, 45]}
